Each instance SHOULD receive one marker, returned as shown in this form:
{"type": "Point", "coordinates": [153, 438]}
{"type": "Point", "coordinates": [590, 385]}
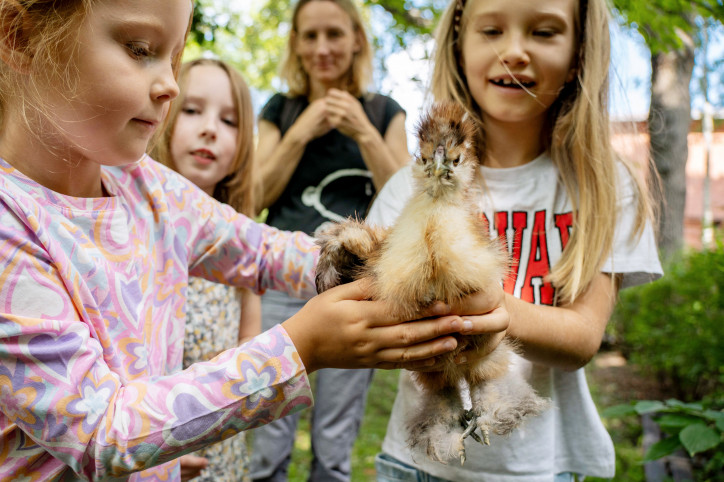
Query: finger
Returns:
{"type": "Point", "coordinates": [412, 356]}
{"type": "Point", "coordinates": [406, 334]}
{"type": "Point", "coordinates": [358, 290]}
{"type": "Point", "coordinates": [191, 461]}
{"type": "Point", "coordinates": [493, 322]}
{"type": "Point", "coordinates": [478, 303]}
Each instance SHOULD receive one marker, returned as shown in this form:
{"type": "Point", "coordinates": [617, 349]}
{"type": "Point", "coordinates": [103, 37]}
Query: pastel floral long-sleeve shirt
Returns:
{"type": "Point", "coordinates": [92, 303]}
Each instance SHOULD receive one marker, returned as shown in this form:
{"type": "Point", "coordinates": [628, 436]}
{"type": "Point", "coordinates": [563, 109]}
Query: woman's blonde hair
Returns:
{"type": "Point", "coordinates": [40, 37]}
{"type": "Point", "coordinates": [360, 73]}
{"type": "Point", "coordinates": [236, 188]}
{"type": "Point", "coordinates": [578, 139]}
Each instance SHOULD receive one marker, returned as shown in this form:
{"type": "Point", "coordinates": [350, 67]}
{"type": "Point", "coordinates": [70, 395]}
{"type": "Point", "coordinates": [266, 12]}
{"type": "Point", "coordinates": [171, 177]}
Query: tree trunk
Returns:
{"type": "Point", "coordinates": [669, 122]}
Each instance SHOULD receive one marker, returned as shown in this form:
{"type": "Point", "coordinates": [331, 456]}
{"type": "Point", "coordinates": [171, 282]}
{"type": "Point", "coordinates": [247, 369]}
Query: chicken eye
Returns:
{"type": "Point", "coordinates": [456, 161]}
{"type": "Point", "coordinates": [422, 160]}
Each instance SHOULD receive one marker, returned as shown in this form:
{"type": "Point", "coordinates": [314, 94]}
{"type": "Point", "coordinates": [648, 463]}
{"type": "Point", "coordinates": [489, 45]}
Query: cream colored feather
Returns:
{"type": "Point", "coordinates": [439, 249]}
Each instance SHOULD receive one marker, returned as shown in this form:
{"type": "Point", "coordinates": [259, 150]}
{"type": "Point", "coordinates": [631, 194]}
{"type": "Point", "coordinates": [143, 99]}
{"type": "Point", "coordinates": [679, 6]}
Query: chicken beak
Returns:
{"type": "Point", "coordinates": [440, 167]}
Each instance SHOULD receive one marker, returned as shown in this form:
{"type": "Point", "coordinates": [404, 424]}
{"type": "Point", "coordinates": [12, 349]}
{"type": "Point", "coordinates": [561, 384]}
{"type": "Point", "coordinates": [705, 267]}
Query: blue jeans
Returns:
{"type": "Point", "coordinates": [389, 469]}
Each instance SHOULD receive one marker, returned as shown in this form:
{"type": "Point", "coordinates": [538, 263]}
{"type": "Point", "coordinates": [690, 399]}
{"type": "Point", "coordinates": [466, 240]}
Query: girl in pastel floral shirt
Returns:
{"type": "Point", "coordinates": [97, 243]}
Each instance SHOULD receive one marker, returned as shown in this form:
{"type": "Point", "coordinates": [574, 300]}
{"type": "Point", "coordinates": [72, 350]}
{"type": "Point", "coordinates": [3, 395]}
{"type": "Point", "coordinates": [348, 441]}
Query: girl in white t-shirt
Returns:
{"type": "Point", "coordinates": [534, 75]}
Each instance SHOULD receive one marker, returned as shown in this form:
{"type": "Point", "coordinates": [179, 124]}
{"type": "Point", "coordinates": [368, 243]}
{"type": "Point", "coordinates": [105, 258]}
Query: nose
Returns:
{"type": "Point", "coordinates": [209, 128]}
{"type": "Point", "coordinates": [164, 87]}
{"type": "Point", "coordinates": [323, 46]}
{"type": "Point", "coordinates": [514, 50]}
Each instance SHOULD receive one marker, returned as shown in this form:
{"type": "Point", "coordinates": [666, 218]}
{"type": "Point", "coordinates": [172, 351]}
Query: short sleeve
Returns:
{"type": "Point", "coordinates": [272, 111]}
{"type": "Point", "coordinates": [636, 258]}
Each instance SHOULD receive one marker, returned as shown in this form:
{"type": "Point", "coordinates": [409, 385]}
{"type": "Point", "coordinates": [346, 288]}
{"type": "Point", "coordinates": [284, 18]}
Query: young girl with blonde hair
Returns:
{"type": "Point", "coordinates": [98, 242]}
{"type": "Point", "coordinates": [576, 220]}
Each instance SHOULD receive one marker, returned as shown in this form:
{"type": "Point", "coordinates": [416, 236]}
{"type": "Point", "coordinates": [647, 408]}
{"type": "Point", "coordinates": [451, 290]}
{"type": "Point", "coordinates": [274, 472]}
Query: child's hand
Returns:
{"type": "Point", "coordinates": [341, 329]}
{"type": "Point", "coordinates": [192, 465]}
{"type": "Point", "coordinates": [482, 313]}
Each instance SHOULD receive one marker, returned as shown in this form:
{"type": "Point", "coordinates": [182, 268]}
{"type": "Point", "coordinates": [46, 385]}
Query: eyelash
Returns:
{"type": "Point", "coordinates": [138, 51]}
{"type": "Point", "coordinates": [194, 111]}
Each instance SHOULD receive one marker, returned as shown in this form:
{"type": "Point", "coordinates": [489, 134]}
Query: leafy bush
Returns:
{"type": "Point", "coordinates": [673, 328]}
{"type": "Point", "coordinates": [691, 426]}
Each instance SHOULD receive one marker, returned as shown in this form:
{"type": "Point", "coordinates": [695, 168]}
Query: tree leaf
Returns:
{"type": "Point", "coordinates": [662, 448]}
{"type": "Point", "coordinates": [699, 438]}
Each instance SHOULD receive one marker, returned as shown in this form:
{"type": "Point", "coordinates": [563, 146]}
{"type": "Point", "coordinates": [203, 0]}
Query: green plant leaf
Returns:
{"type": "Point", "coordinates": [618, 411]}
{"type": "Point", "coordinates": [699, 438]}
{"type": "Point", "coordinates": [648, 406]}
{"type": "Point", "coordinates": [662, 448]}
{"type": "Point", "coordinates": [675, 420]}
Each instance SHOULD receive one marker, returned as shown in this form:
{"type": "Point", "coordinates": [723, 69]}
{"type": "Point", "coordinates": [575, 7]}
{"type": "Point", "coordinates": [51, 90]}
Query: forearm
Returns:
{"type": "Point", "coordinates": [276, 170]}
{"type": "Point", "coordinates": [91, 421]}
{"type": "Point", "coordinates": [565, 337]}
{"type": "Point", "coordinates": [384, 156]}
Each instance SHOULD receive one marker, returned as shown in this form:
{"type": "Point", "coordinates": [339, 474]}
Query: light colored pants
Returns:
{"type": "Point", "coordinates": [389, 469]}
{"type": "Point", "coordinates": [339, 402]}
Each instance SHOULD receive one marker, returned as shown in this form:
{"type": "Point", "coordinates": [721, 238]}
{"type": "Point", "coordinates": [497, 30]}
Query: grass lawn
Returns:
{"type": "Point", "coordinates": [611, 381]}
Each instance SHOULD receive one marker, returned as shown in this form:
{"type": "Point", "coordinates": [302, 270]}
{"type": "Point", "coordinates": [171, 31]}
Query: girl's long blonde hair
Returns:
{"type": "Point", "coordinates": [360, 73]}
{"type": "Point", "coordinates": [578, 139]}
{"type": "Point", "coordinates": [236, 189]}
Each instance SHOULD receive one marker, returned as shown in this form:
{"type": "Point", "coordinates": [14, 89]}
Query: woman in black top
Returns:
{"type": "Point", "coordinates": [325, 148]}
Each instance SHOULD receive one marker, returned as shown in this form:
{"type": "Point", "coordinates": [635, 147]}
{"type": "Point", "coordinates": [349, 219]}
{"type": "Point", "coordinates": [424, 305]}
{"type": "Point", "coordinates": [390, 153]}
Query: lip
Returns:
{"type": "Point", "coordinates": [203, 156]}
{"type": "Point", "coordinates": [147, 123]}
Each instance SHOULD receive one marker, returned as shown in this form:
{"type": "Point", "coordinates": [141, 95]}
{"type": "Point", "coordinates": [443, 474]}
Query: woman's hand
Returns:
{"type": "Point", "coordinates": [342, 329]}
{"type": "Point", "coordinates": [346, 114]}
{"type": "Point", "coordinates": [313, 122]}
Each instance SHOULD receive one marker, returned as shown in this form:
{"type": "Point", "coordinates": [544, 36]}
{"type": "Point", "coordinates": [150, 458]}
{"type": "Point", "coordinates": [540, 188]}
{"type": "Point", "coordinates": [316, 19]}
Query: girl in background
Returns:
{"type": "Point", "coordinates": [210, 142]}
{"type": "Point", "coordinates": [97, 244]}
{"type": "Point", "coordinates": [534, 75]}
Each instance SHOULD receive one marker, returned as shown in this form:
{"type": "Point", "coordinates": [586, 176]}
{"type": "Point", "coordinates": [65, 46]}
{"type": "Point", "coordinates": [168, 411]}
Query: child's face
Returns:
{"type": "Point", "coordinates": [126, 80]}
{"type": "Point", "coordinates": [203, 145]}
{"type": "Point", "coordinates": [528, 41]}
{"type": "Point", "coordinates": [325, 42]}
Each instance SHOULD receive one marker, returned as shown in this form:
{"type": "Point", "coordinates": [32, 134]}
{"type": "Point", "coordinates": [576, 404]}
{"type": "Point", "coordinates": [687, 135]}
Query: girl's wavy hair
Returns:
{"type": "Point", "coordinates": [41, 34]}
{"type": "Point", "coordinates": [360, 73]}
{"type": "Point", "coordinates": [236, 188]}
{"type": "Point", "coordinates": [578, 139]}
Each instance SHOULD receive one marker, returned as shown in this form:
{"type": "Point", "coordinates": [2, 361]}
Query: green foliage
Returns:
{"type": "Point", "coordinates": [661, 21]}
{"type": "Point", "coordinates": [254, 38]}
{"type": "Point", "coordinates": [673, 328]}
{"type": "Point", "coordinates": [689, 426]}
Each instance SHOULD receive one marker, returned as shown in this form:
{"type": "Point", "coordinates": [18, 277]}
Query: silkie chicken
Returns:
{"type": "Point", "coordinates": [439, 249]}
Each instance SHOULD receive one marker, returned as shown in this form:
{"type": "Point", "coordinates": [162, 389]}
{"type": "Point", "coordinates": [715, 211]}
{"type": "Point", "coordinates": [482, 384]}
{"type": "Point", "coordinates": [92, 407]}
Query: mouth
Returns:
{"type": "Point", "coordinates": [203, 156]}
{"type": "Point", "coordinates": [513, 82]}
{"type": "Point", "coordinates": [147, 123]}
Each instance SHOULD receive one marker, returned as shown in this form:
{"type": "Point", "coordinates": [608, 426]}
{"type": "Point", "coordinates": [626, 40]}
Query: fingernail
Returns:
{"type": "Point", "coordinates": [467, 326]}
{"type": "Point", "coordinates": [449, 345]}
{"type": "Point", "coordinates": [456, 325]}
{"type": "Point", "coordinates": [461, 359]}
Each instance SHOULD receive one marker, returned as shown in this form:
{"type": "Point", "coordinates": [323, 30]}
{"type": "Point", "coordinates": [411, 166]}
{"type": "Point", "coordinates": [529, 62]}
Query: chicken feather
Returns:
{"type": "Point", "coordinates": [439, 249]}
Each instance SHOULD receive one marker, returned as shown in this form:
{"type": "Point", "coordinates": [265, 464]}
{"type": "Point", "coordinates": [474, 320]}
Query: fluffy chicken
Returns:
{"type": "Point", "coordinates": [439, 249]}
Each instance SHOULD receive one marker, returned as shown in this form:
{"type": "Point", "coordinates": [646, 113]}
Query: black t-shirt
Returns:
{"type": "Point", "coordinates": [331, 181]}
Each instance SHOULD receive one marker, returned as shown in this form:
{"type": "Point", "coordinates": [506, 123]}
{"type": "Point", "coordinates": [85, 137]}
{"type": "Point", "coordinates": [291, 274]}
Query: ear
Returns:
{"type": "Point", "coordinates": [14, 34]}
{"type": "Point", "coordinates": [571, 75]}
